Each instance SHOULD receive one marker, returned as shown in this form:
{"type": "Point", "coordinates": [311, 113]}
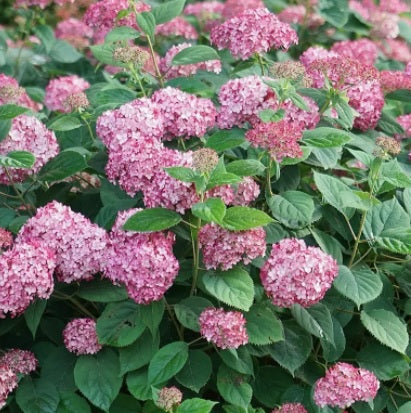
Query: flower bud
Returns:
{"type": "Point", "coordinates": [205, 160]}
{"type": "Point", "coordinates": [169, 397]}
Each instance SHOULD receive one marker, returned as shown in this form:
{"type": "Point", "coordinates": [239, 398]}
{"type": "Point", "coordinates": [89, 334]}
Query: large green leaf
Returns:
{"type": "Point", "coordinates": [72, 403]}
{"type": "Point", "coordinates": [98, 377]}
{"type": "Point", "coordinates": [147, 23]}
{"type": "Point", "coordinates": [196, 372]}
{"type": "Point", "coordinates": [396, 240]}
{"type": "Point", "coordinates": [360, 285]}
{"type": "Point", "coordinates": [33, 315]}
{"type": "Point", "coordinates": [11, 111]}
{"type": "Point", "coordinates": [189, 309]}
{"type": "Point", "coordinates": [196, 406]}
{"type": "Point", "coordinates": [225, 139]}
{"type": "Point", "coordinates": [168, 10]}
{"type": "Point", "coordinates": [152, 219]}
{"type": "Point", "coordinates": [233, 388]}
{"type": "Point", "coordinates": [326, 137]}
{"type": "Point", "coordinates": [18, 159]}
{"type": "Point", "coordinates": [234, 287]}
{"type": "Point", "coordinates": [240, 218]}
{"type": "Point", "coordinates": [167, 362]}
{"type": "Point", "coordinates": [65, 123]}
{"type": "Point", "coordinates": [152, 314]}
{"type": "Point", "coordinates": [102, 291]}
{"type": "Point", "coordinates": [195, 54]}
{"type": "Point", "coordinates": [387, 328]}
{"type": "Point", "coordinates": [64, 165]}
{"type": "Point", "coordinates": [246, 167]}
{"type": "Point", "coordinates": [211, 210]}
{"type": "Point", "coordinates": [239, 360]}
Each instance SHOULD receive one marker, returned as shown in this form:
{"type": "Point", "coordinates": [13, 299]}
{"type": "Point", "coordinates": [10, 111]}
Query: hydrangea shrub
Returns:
{"type": "Point", "coordinates": [205, 206]}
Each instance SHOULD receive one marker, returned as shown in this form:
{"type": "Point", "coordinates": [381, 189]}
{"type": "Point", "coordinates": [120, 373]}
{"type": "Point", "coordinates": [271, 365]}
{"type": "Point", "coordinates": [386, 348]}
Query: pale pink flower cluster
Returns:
{"type": "Point", "coordinates": [40, 3]}
{"type": "Point", "coordinates": [19, 361]}
{"type": "Point", "coordinates": [280, 139]}
{"type": "Point", "coordinates": [209, 12]}
{"type": "Point", "coordinates": [169, 398]}
{"type": "Point", "coordinates": [143, 262]}
{"type": "Point", "coordinates": [184, 115]}
{"type": "Point", "coordinates": [27, 133]}
{"type": "Point", "coordinates": [394, 79]}
{"type": "Point", "coordinates": [75, 32]}
{"type": "Point", "coordinates": [297, 274]}
{"type": "Point", "coordinates": [363, 50]}
{"type": "Point", "coordinates": [6, 238]}
{"type": "Point", "coordinates": [26, 273]}
{"type": "Point", "coordinates": [395, 49]}
{"type": "Point", "coordinates": [225, 329]}
{"type": "Point", "coordinates": [59, 89]}
{"type": "Point", "coordinates": [78, 243]}
{"type": "Point", "coordinates": [171, 71]}
{"type": "Point", "coordinates": [177, 27]}
{"type": "Point", "coordinates": [245, 192]}
{"type": "Point", "coordinates": [344, 385]}
{"type": "Point", "coordinates": [8, 382]}
{"type": "Point", "coordinates": [222, 249]}
{"type": "Point", "coordinates": [405, 122]}
{"type": "Point", "coordinates": [80, 336]}
{"type": "Point", "coordinates": [304, 119]}
{"type": "Point", "coordinates": [11, 92]}
{"type": "Point", "coordinates": [254, 31]}
{"type": "Point", "coordinates": [234, 7]}
{"type": "Point", "coordinates": [298, 15]}
{"type": "Point", "coordinates": [290, 408]}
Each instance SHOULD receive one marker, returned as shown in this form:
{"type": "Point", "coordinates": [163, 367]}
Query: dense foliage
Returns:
{"type": "Point", "coordinates": [205, 207]}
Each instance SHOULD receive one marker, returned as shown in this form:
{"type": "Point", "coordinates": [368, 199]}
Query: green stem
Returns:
{"type": "Point", "coordinates": [325, 106]}
{"type": "Point", "coordinates": [270, 192]}
{"type": "Point", "coordinates": [137, 77]}
{"type": "Point", "coordinates": [196, 254]}
{"type": "Point", "coordinates": [76, 303]}
{"type": "Point", "coordinates": [357, 239]}
{"type": "Point", "coordinates": [173, 319]}
{"type": "Point", "coordinates": [90, 130]}
{"type": "Point", "coordinates": [261, 63]}
{"type": "Point", "coordinates": [18, 193]}
{"type": "Point", "coordinates": [153, 57]}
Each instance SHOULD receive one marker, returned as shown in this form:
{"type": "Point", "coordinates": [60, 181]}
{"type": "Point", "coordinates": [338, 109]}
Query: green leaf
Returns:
{"type": "Point", "coordinates": [125, 403]}
{"type": "Point", "coordinates": [292, 352]}
{"type": "Point", "coordinates": [138, 385]}
{"type": "Point", "coordinates": [147, 22]}
{"type": "Point", "coordinates": [239, 360]}
{"type": "Point", "coordinates": [113, 97]}
{"type": "Point", "coordinates": [145, 346]}
{"type": "Point", "coordinates": [189, 309]}
{"type": "Point", "coordinates": [195, 54]}
{"type": "Point", "coordinates": [152, 219]}
{"type": "Point", "coordinates": [226, 139]}
{"type": "Point", "coordinates": [387, 328]}
{"type": "Point", "coordinates": [11, 111]}
{"type": "Point", "coordinates": [196, 406]}
{"type": "Point", "coordinates": [152, 314]}
{"type": "Point", "coordinates": [211, 210]}
{"type": "Point", "coordinates": [33, 315]}
{"type": "Point", "coordinates": [325, 158]}
{"type": "Point", "coordinates": [333, 351]}
{"type": "Point", "coordinates": [245, 167]}
{"type": "Point", "coordinates": [64, 52]}
{"type": "Point", "coordinates": [219, 177]}
{"type": "Point", "coordinates": [64, 165]}
{"type": "Point", "coordinates": [167, 362]}
{"type": "Point", "coordinates": [18, 159]}
{"type": "Point", "coordinates": [326, 137]}
{"type": "Point", "coordinates": [360, 284]}
{"type": "Point", "coordinates": [392, 173]}
{"type": "Point", "coordinates": [405, 408]}
{"type": "Point", "coordinates": [65, 123]}
{"type": "Point", "coordinates": [182, 173]}
{"type": "Point", "coordinates": [389, 125]}
{"type": "Point", "coordinates": [98, 377]}
{"type": "Point", "coordinates": [234, 287]}
{"type": "Point", "coordinates": [46, 35]}
{"type": "Point", "coordinates": [239, 218]}
{"type": "Point", "coordinates": [334, 11]}
{"type": "Point", "coordinates": [37, 396]}
{"type": "Point", "coordinates": [396, 240]}
{"type": "Point", "coordinates": [346, 114]}
{"type": "Point", "coordinates": [104, 54]}
{"type": "Point", "coordinates": [316, 320]}
{"type": "Point", "coordinates": [5, 126]}
{"type": "Point", "coordinates": [121, 33]}
{"type": "Point", "coordinates": [263, 326]}
{"type": "Point", "coordinates": [293, 209]}
{"type": "Point", "coordinates": [393, 364]}
{"type": "Point", "coordinates": [233, 388]}
{"type": "Point", "coordinates": [328, 244]}
{"type": "Point", "coordinates": [72, 403]}
{"type": "Point", "coordinates": [269, 115]}
{"type": "Point", "coordinates": [196, 372]}
{"type": "Point", "coordinates": [401, 95]}
{"type": "Point", "coordinates": [120, 324]}
{"type": "Point", "coordinates": [168, 10]}
{"type": "Point", "coordinates": [102, 291]}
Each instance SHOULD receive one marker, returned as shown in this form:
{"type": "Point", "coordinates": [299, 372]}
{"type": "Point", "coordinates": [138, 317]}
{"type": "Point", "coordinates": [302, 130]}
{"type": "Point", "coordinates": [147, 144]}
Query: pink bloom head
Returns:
{"type": "Point", "coordinates": [344, 385]}
{"type": "Point", "coordinates": [279, 138]}
{"type": "Point", "coordinates": [208, 13]}
{"type": "Point", "coordinates": [20, 361]}
{"type": "Point", "coordinates": [290, 408]}
{"type": "Point", "coordinates": [143, 262]}
{"type": "Point", "coordinates": [169, 398]}
{"type": "Point", "coordinates": [79, 244]}
{"type": "Point", "coordinates": [171, 71]}
{"type": "Point", "coordinates": [224, 249]}
{"type": "Point", "coordinates": [254, 31]}
{"type": "Point", "coordinates": [26, 272]}
{"type": "Point", "coordinates": [75, 32]}
{"type": "Point", "coordinates": [234, 7]}
{"type": "Point", "coordinates": [184, 115]}
{"type": "Point", "coordinates": [246, 192]}
{"type": "Point", "coordinates": [177, 27]}
{"type": "Point", "coordinates": [8, 382]}
{"type": "Point", "coordinates": [27, 133]}
{"type": "Point", "coordinates": [80, 336]}
{"type": "Point", "coordinates": [297, 274]}
{"type": "Point", "coordinates": [395, 49]}
{"type": "Point", "coordinates": [363, 50]}
{"type": "Point", "coordinates": [11, 92]}
{"type": "Point", "coordinates": [298, 15]}
{"type": "Point", "coordinates": [225, 329]}
{"type": "Point", "coordinates": [6, 238]}
{"type": "Point", "coordinates": [59, 89]}
{"type": "Point", "coordinates": [405, 122]}
{"type": "Point", "coordinates": [385, 25]}
{"type": "Point", "coordinates": [394, 79]}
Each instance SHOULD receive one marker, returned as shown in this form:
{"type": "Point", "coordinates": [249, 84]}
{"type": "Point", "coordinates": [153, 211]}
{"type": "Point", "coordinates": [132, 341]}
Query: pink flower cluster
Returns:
{"type": "Point", "coordinates": [298, 15]}
{"type": "Point", "coordinates": [26, 272]}
{"type": "Point", "coordinates": [297, 274]}
{"type": "Point", "coordinates": [19, 361]}
{"type": "Point", "coordinates": [234, 7]}
{"type": "Point", "coordinates": [79, 244]}
{"type": "Point", "coordinates": [75, 32]}
{"type": "Point", "coordinates": [11, 92]}
{"type": "Point", "coordinates": [59, 89]}
{"type": "Point", "coordinates": [27, 133]}
{"type": "Point", "coordinates": [405, 122]}
{"type": "Point", "coordinates": [209, 12]}
{"type": "Point", "coordinates": [253, 31]}
{"type": "Point", "coordinates": [290, 408]}
{"type": "Point", "coordinates": [224, 249]}
{"type": "Point", "coordinates": [80, 336]}
{"type": "Point", "coordinates": [170, 71]}
{"type": "Point", "coordinates": [143, 262]}
{"type": "Point", "coordinates": [8, 382]}
{"type": "Point", "coordinates": [177, 27]}
{"type": "Point", "coordinates": [394, 79]}
{"type": "Point", "coordinates": [395, 49]}
{"type": "Point", "coordinates": [225, 329]}
{"type": "Point", "coordinates": [6, 238]}
{"type": "Point", "coordinates": [363, 50]}
{"type": "Point", "coordinates": [344, 385]}
{"type": "Point", "coordinates": [279, 138]}
{"type": "Point", "coordinates": [40, 3]}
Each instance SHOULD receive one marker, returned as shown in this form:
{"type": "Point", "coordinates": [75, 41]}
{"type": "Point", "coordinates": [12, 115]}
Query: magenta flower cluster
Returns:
{"type": "Point", "coordinates": [80, 336]}
{"type": "Point", "coordinates": [19, 361]}
{"type": "Point", "coordinates": [290, 408]}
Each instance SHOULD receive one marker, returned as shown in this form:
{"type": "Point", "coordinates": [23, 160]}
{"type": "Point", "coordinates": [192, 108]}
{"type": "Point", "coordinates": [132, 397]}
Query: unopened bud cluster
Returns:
{"type": "Point", "coordinates": [10, 94]}
{"type": "Point", "coordinates": [205, 160]}
{"type": "Point", "coordinates": [294, 71]}
{"type": "Point", "coordinates": [131, 54]}
{"type": "Point", "coordinates": [387, 146]}
{"type": "Point", "coordinates": [77, 101]}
